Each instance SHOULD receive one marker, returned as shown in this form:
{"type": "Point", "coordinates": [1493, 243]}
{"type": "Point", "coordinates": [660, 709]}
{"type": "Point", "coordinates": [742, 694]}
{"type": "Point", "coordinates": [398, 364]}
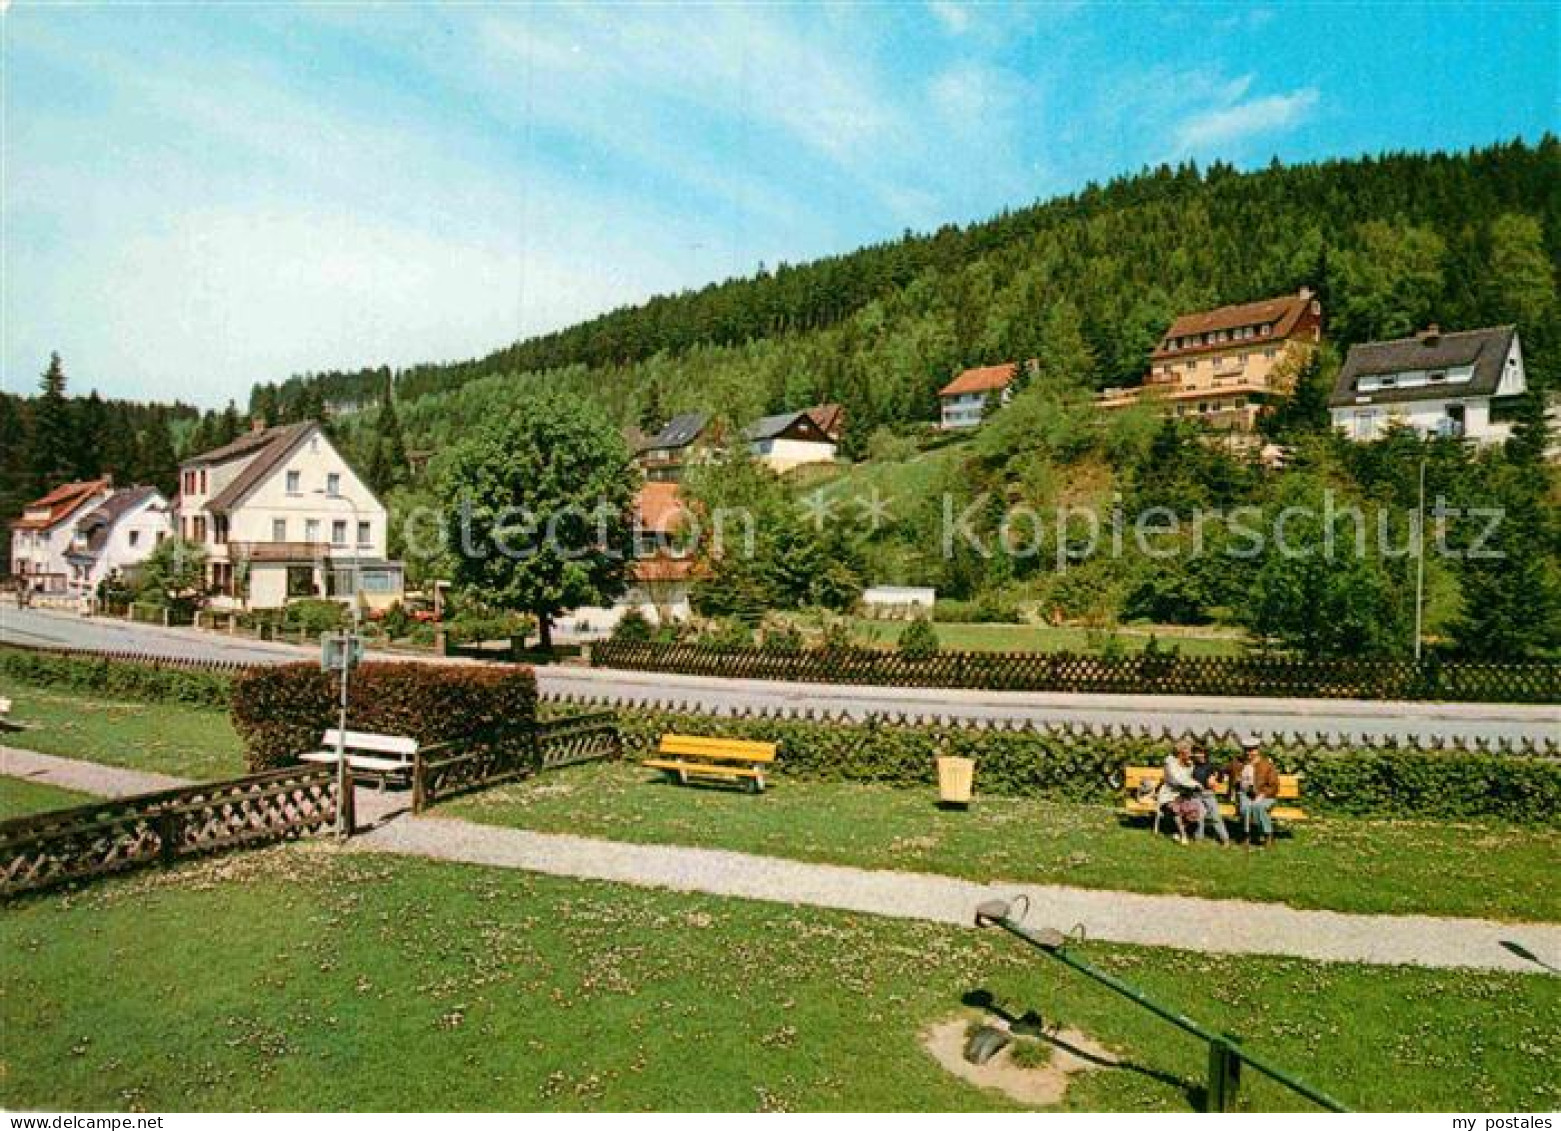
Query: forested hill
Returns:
{"type": "Point", "coordinates": [1388, 241]}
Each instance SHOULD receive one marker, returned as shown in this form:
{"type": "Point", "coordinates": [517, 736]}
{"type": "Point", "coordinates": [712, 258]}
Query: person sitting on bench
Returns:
{"type": "Point", "coordinates": [1179, 791]}
{"type": "Point", "coordinates": [1211, 784]}
{"type": "Point", "coordinates": [1257, 788]}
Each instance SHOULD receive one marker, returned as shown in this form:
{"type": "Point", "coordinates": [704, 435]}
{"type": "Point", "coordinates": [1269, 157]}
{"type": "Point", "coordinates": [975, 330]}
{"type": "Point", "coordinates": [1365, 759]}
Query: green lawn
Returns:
{"type": "Point", "coordinates": [167, 738]}
{"type": "Point", "coordinates": [303, 978]}
{"type": "Point", "coordinates": [1495, 871]}
{"type": "Point", "coordinates": [22, 798]}
{"type": "Point", "coordinates": [1046, 638]}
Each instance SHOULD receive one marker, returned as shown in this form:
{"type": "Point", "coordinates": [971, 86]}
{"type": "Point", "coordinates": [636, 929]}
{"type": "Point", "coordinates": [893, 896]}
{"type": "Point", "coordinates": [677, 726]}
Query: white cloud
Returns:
{"type": "Point", "coordinates": [955, 18]}
{"type": "Point", "coordinates": [1239, 120]}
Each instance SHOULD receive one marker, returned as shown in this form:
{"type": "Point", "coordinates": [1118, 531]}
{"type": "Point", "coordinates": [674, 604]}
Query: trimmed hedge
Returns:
{"type": "Point", "coordinates": [282, 711]}
{"type": "Point", "coordinates": [1081, 765]}
{"type": "Point", "coordinates": [148, 682]}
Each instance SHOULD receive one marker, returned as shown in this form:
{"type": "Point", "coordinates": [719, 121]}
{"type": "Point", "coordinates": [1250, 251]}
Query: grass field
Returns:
{"type": "Point", "coordinates": [167, 738]}
{"type": "Point", "coordinates": [22, 798]}
{"type": "Point", "coordinates": [1439, 868]}
{"type": "Point", "coordinates": [303, 978]}
{"type": "Point", "coordinates": [1046, 638]}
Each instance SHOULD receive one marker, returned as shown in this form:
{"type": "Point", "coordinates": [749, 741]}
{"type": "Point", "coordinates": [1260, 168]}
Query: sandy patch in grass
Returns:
{"type": "Point", "coordinates": [1072, 1052]}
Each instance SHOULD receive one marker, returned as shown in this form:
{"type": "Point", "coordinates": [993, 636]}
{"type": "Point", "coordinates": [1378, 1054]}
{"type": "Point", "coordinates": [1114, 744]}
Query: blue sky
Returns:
{"type": "Point", "coordinates": [197, 198]}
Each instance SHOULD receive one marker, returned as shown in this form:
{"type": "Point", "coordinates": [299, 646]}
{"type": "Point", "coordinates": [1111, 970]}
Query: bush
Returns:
{"type": "Point", "coordinates": [727, 634]}
{"type": "Point", "coordinates": [314, 616]}
{"type": "Point", "coordinates": [281, 711]}
{"type": "Point", "coordinates": [396, 622]}
{"type": "Point", "coordinates": [117, 679]}
{"type": "Point", "coordinates": [1063, 764]}
{"type": "Point", "coordinates": [477, 627]}
{"type": "Point", "coordinates": [782, 640]}
{"type": "Point", "coordinates": [633, 628]}
{"type": "Point", "coordinates": [919, 640]}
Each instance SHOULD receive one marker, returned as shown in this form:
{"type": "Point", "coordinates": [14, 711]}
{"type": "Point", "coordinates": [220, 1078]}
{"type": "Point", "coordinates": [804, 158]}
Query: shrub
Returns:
{"type": "Point", "coordinates": [281, 711]}
{"type": "Point", "coordinates": [728, 634]}
{"type": "Point", "coordinates": [633, 628]}
{"type": "Point", "coordinates": [782, 640]}
{"type": "Point", "coordinates": [314, 616]}
{"type": "Point", "coordinates": [919, 640]}
{"type": "Point", "coordinates": [477, 627]}
{"type": "Point", "coordinates": [1068, 765]}
{"type": "Point", "coordinates": [396, 622]}
{"type": "Point", "coordinates": [117, 679]}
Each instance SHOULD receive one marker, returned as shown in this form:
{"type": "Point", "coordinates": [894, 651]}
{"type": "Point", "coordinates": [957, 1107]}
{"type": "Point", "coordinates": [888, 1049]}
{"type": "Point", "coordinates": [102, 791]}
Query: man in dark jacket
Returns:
{"type": "Point", "coordinates": [1256, 781]}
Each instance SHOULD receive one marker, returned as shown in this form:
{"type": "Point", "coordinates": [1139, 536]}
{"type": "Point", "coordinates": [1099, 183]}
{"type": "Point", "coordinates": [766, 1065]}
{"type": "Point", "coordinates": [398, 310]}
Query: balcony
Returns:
{"type": "Point", "coordinates": [279, 551]}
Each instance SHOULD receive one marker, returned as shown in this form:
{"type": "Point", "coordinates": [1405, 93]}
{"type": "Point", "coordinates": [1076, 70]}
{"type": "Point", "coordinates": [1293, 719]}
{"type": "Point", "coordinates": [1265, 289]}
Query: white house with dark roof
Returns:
{"type": "Point", "coordinates": [282, 514]}
{"type": "Point", "coordinates": [115, 537]}
{"type": "Point", "coordinates": [789, 439]}
{"type": "Point", "coordinates": [1458, 384]}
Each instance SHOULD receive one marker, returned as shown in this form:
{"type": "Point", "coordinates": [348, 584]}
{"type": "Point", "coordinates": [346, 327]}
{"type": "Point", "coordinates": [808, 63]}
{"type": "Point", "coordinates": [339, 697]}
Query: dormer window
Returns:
{"type": "Point", "coordinates": [1436, 376]}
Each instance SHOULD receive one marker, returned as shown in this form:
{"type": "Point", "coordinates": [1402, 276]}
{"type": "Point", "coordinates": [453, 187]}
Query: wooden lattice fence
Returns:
{"type": "Point", "coordinates": [150, 828]}
{"type": "Point", "coordinates": [1147, 673]}
{"type": "Point", "coordinates": [509, 751]}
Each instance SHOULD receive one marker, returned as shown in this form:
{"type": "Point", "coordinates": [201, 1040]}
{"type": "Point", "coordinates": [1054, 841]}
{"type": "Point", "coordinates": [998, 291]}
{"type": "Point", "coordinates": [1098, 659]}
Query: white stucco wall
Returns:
{"type": "Point", "coordinates": [782, 455]}
{"type": "Point", "coordinates": [132, 538]}
{"type": "Point", "coordinates": [1368, 422]}
{"type": "Point", "coordinates": [314, 461]}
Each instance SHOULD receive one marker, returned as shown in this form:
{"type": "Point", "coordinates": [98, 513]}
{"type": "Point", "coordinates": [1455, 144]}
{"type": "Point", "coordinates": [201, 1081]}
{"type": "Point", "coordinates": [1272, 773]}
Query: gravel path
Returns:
{"type": "Point", "coordinates": [1184, 922]}
{"type": "Point", "coordinates": [1223, 926]}
{"type": "Point", "coordinates": [83, 777]}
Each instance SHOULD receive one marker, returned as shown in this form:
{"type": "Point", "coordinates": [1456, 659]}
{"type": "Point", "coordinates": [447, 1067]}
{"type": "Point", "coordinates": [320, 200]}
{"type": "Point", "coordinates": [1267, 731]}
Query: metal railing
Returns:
{"type": "Point", "coordinates": [1226, 1053]}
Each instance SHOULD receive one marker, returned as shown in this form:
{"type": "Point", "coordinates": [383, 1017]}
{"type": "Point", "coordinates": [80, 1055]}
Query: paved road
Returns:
{"type": "Point", "coordinates": [1362, 721]}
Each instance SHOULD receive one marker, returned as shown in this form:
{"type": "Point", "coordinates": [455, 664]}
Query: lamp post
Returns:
{"type": "Point", "coordinates": [1420, 561]}
{"type": "Point", "coordinates": [346, 654]}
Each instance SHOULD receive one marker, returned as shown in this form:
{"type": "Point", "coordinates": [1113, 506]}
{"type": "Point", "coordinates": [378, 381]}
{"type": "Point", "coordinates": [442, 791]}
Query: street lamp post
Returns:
{"type": "Point", "coordinates": [348, 649]}
{"type": "Point", "coordinates": [1420, 562]}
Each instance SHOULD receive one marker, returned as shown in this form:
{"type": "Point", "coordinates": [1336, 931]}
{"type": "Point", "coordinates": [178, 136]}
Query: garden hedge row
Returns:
{"type": "Point", "coordinates": [117, 679]}
{"type": "Point", "coordinates": [281, 711]}
{"type": "Point", "coordinates": [1081, 765]}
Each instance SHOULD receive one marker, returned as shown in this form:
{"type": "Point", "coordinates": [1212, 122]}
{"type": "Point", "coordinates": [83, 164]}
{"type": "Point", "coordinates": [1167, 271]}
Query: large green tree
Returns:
{"type": "Point", "coordinates": [538, 509]}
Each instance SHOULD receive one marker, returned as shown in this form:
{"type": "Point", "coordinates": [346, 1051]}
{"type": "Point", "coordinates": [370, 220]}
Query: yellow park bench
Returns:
{"type": "Point", "coordinates": [683, 756]}
{"type": "Point", "coordinates": [1141, 784]}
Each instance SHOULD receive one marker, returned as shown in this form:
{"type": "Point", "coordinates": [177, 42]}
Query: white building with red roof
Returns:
{"type": "Point", "coordinates": [43, 535]}
{"type": "Point", "coordinates": [964, 400]}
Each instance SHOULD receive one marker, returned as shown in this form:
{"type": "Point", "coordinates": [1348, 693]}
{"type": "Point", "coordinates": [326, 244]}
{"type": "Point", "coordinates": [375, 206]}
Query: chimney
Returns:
{"type": "Point", "coordinates": [1431, 335]}
{"type": "Point", "coordinates": [1305, 293]}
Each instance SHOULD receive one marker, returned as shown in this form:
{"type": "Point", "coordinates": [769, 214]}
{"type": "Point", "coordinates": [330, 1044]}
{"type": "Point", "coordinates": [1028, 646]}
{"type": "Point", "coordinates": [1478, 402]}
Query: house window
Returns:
{"type": "Point", "coordinates": [293, 485]}
{"type": "Point", "coordinates": [364, 533]}
{"type": "Point", "coordinates": [219, 530]}
{"type": "Point", "coordinates": [279, 530]}
{"type": "Point", "coordinates": [198, 528]}
{"type": "Point", "coordinates": [1453, 423]}
{"type": "Point", "coordinates": [1436, 376]}
{"type": "Point", "coordinates": [1387, 380]}
{"type": "Point", "coordinates": [203, 480]}
{"type": "Point", "coordinates": [311, 530]}
{"type": "Point", "coordinates": [333, 484]}
{"type": "Point", "coordinates": [300, 581]}
{"type": "Point", "coordinates": [338, 532]}
{"type": "Point", "coordinates": [135, 539]}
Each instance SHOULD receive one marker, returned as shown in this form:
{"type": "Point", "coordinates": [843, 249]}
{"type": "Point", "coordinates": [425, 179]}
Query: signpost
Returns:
{"type": "Point", "coordinates": [341, 652]}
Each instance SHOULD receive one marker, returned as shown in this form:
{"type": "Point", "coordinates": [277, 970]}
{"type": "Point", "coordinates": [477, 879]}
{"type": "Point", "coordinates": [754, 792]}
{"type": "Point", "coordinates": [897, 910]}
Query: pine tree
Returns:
{"type": "Point", "coordinates": [90, 436]}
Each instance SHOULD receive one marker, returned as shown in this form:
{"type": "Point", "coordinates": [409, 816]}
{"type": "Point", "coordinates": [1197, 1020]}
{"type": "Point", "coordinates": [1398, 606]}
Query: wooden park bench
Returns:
{"type": "Point", "coordinates": [381, 756]}
{"type": "Point", "coordinates": [1141, 785]}
{"type": "Point", "coordinates": [733, 760]}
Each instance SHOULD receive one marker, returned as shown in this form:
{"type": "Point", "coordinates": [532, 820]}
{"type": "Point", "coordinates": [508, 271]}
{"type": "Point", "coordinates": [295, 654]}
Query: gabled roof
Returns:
{"type": "Point", "coordinates": [115, 507]}
{"type": "Point", "coordinates": [62, 502]}
{"type": "Point", "coordinates": [985, 379]}
{"type": "Point", "coordinates": [681, 431]}
{"type": "Point", "coordinates": [659, 508]}
{"type": "Point", "coordinates": [1283, 314]}
{"type": "Point", "coordinates": [280, 444]}
{"type": "Point", "coordinates": [248, 443]}
{"type": "Point", "coordinates": [1485, 349]}
{"type": "Point", "coordinates": [778, 424]}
